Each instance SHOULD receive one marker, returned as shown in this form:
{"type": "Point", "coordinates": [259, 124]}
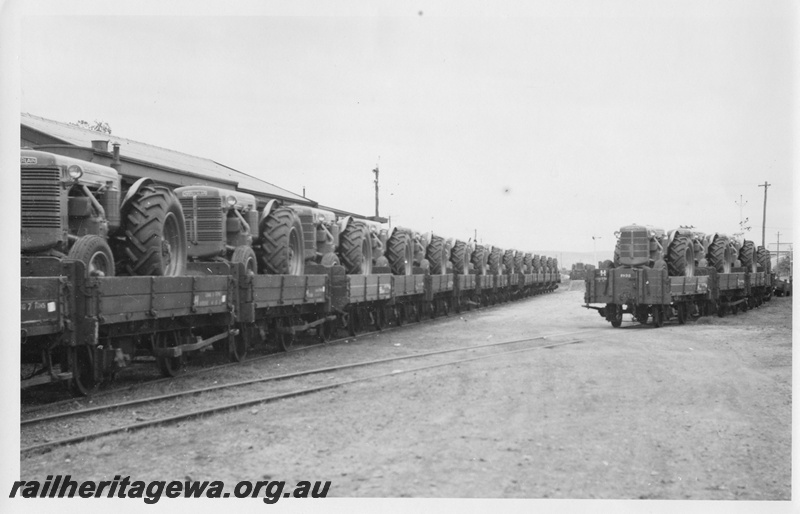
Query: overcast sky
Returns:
{"type": "Point", "coordinates": [539, 128]}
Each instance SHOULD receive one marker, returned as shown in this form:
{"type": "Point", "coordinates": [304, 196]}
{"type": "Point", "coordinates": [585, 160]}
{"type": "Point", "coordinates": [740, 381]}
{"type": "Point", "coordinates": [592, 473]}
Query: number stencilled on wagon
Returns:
{"type": "Point", "coordinates": [625, 275]}
{"type": "Point", "coordinates": [38, 305]}
{"type": "Point", "coordinates": [209, 299]}
{"type": "Point", "coordinates": [313, 293]}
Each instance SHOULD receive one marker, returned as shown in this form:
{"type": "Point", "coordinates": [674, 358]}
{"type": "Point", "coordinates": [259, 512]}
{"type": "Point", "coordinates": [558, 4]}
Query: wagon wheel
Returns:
{"type": "Point", "coordinates": [616, 316]}
{"type": "Point", "coordinates": [658, 316]}
{"type": "Point", "coordinates": [352, 321]}
{"type": "Point", "coordinates": [285, 339]}
{"type": "Point", "coordinates": [238, 344]}
{"type": "Point", "coordinates": [325, 332]}
{"type": "Point", "coordinates": [169, 366]}
{"type": "Point", "coordinates": [681, 308]}
{"type": "Point", "coordinates": [434, 308]}
{"type": "Point", "coordinates": [379, 318]}
{"type": "Point", "coordinates": [81, 364]}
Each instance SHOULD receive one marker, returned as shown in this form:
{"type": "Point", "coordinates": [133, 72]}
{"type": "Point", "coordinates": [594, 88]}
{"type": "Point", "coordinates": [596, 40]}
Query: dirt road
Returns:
{"type": "Point", "coordinates": [701, 411]}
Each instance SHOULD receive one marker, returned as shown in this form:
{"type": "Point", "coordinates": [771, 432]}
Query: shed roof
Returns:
{"type": "Point", "coordinates": [72, 134]}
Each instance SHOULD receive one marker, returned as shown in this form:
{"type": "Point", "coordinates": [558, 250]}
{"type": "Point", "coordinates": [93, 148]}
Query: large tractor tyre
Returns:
{"type": "Point", "coordinates": [153, 235]}
{"type": "Point", "coordinates": [495, 261]}
{"type": "Point", "coordinates": [400, 252]}
{"type": "Point", "coordinates": [95, 254]}
{"type": "Point", "coordinates": [478, 260]}
{"type": "Point", "coordinates": [282, 243]}
{"type": "Point", "coordinates": [460, 258]}
{"type": "Point", "coordinates": [748, 256]}
{"type": "Point", "coordinates": [763, 260]}
{"type": "Point", "coordinates": [437, 256]}
{"type": "Point", "coordinates": [616, 255]}
{"type": "Point", "coordinates": [508, 262]}
{"type": "Point", "coordinates": [719, 256]}
{"type": "Point", "coordinates": [680, 258]}
{"type": "Point", "coordinates": [537, 264]}
{"type": "Point", "coordinates": [247, 256]}
{"type": "Point", "coordinates": [527, 263]}
{"type": "Point", "coordinates": [355, 249]}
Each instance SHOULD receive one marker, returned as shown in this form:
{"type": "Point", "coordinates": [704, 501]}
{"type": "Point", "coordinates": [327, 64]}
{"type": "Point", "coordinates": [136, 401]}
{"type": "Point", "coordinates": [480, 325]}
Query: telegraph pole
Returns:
{"type": "Point", "coordinates": [376, 171]}
{"type": "Point", "coordinates": [765, 185]}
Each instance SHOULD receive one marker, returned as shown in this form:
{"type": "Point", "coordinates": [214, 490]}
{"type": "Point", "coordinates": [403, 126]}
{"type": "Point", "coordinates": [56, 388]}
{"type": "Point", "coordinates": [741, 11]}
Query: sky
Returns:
{"type": "Point", "coordinates": [535, 126]}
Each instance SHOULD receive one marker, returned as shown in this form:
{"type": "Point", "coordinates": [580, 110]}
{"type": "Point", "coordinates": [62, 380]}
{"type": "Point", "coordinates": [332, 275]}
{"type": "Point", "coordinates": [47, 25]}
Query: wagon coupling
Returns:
{"type": "Point", "coordinates": [177, 351]}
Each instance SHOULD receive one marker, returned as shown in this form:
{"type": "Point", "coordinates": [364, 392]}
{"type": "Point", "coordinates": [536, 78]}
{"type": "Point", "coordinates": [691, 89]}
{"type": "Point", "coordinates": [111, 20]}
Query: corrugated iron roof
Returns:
{"type": "Point", "coordinates": [72, 134]}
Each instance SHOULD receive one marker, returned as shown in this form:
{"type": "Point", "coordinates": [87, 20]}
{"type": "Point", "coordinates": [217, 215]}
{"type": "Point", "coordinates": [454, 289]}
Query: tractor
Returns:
{"type": "Point", "coordinates": [294, 235]}
{"type": "Point", "coordinates": [71, 208]}
{"type": "Point", "coordinates": [221, 225]}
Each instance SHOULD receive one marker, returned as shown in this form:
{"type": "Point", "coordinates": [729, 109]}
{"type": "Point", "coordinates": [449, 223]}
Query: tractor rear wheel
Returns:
{"type": "Point", "coordinates": [719, 255]}
{"type": "Point", "coordinates": [762, 258]}
{"type": "Point", "coordinates": [282, 242]}
{"type": "Point", "coordinates": [153, 238]}
{"type": "Point", "coordinates": [478, 260]}
{"type": "Point", "coordinates": [436, 256]}
{"type": "Point", "coordinates": [495, 261]}
{"type": "Point", "coordinates": [747, 255]}
{"type": "Point", "coordinates": [460, 258]}
{"type": "Point", "coordinates": [355, 249]}
{"type": "Point", "coordinates": [95, 254]}
{"type": "Point", "coordinates": [680, 258]}
{"type": "Point", "coordinates": [519, 266]}
{"type": "Point", "coordinates": [400, 252]}
{"type": "Point", "coordinates": [246, 256]}
{"type": "Point", "coordinates": [527, 263]}
{"type": "Point", "coordinates": [508, 262]}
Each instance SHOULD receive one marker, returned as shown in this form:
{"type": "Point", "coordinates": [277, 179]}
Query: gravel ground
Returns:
{"type": "Point", "coordinates": [698, 412]}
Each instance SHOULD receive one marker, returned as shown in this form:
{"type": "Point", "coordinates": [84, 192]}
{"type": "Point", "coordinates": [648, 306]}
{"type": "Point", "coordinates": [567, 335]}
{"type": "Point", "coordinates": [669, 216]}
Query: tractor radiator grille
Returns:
{"type": "Point", "coordinates": [309, 233]}
{"type": "Point", "coordinates": [40, 198]}
{"type": "Point", "coordinates": [203, 216]}
{"type": "Point", "coordinates": [634, 245]}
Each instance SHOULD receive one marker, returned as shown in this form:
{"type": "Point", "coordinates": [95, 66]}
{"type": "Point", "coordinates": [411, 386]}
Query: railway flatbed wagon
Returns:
{"type": "Point", "coordinates": [465, 289]}
{"type": "Point", "coordinates": [644, 293]}
{"type": "Point", "coordinates": [647, 293]}
{"type": "Point", "coordinates": [49, 319]}
{"type": "Point", "coordinates": [439, 293]}
{"type": "Point", "coordinates": [279, 307]}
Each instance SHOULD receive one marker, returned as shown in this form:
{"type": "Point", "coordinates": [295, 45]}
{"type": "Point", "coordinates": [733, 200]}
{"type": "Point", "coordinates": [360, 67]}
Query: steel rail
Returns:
{"type": "Point", "coordinates": [191, 392]}
{"type": "Point", "coordinates": [272, 398]}
{"type": "Point", "coordinates": [189, 374]}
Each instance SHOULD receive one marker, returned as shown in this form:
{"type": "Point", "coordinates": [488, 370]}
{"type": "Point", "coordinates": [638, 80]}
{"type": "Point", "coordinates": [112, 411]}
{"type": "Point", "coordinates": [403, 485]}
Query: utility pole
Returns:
{"type": "Point", "coordinates": [376, 171]}
{"type": "Point", "coordinates": [765, 185]}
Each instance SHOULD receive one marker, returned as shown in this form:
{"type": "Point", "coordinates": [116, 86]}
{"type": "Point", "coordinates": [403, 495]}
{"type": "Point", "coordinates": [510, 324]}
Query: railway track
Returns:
{"type": "Point", "coordinates": [83, 402]}
{"type": "Point", "coordinates": [290, 385]}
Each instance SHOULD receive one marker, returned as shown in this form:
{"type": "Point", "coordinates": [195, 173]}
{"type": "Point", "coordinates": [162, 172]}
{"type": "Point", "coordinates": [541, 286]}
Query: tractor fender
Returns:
{"type": "Point", "coordinates": [268, 208]}
{"type": "Point", "coordinates": [343, 222]}
{"type": "Point", "coordinates": [133, 191]}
